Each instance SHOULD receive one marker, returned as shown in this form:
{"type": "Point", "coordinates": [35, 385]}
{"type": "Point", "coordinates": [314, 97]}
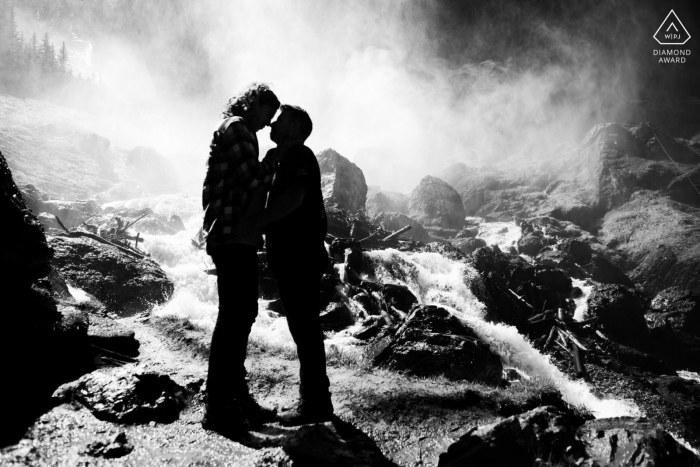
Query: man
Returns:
{"type": "Point", "coordinates": [235, 187]}
{"type": "Point", "coordinates": [295, 220]}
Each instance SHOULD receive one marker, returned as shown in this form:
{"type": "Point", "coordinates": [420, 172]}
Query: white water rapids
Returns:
{"type": "Point", "coordinates": [432, 277]}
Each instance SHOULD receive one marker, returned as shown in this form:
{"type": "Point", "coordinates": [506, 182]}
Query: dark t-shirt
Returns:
{"type": "Point", "coordinates": [302, 232]}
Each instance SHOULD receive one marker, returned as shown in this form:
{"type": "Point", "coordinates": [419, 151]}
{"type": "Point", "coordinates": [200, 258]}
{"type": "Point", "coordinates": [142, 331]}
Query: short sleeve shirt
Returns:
{"type": "Point", "coordinates": [306, 226]}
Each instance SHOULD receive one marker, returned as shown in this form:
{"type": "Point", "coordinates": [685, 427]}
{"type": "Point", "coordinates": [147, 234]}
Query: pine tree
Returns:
{"type": "Point", "coordinates": [45, 50]}
{"type": "Point", "coordinates": [33, 45]}
{"type": "Point", "coordinates": [63, 58]}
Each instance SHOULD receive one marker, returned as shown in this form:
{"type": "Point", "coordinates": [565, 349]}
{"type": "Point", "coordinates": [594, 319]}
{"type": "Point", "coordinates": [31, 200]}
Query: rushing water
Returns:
{"type": "Point", "coordinates": [432, 277]}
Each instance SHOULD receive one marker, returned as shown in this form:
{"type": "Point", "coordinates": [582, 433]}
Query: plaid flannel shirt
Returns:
{"type": "Point", "coordinates": [233, 170]}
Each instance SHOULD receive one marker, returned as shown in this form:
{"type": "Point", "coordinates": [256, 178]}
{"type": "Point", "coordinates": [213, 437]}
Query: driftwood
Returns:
{"type": "Point", "coordinates": [397, 233]}
{"type": "Point", "coordinates": [97, 238]}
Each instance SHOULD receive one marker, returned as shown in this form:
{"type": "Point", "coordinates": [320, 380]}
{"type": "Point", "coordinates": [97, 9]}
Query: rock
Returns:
{"type": "Point", "coordinates": [175, 222]}
{"type": "Point", "coordinates": [48, 221]}
{"type": "Point", "coordinates": [580, 252]}
{"type": "Point", "coordinates": [602, 270]}
{"type": "Point", "coordinates": [336, 316]}
{"type": "Point", "coordinates": [675, 309]}
{"type": "Point", "coordinates": [553, 279]}
{"type": "Point", "coordinates": [26, 253]}
{"type": "Point", "coordinates": [335, 443]}
{"type": "Point", "coordinates": [531, 245]}
{"type": "Point", "coordinates": [433, 342]}
{"type": "Point", "coordinates": [125, 285]}
{"type": "Point", "coordinates": [72, 213]}
{"type": "Point", "coordinates": [394, 221]}
{"type": "Point", "coordinates": [542, 433]}
{"type": "Point", "coordinates": [469, 245]}
{"type": "Point", "coordinates": [342, 182]}
{"type": "Point", "coordinates": [34, 198]}
{"type": "Point", "coordinates": [45, 343]}
{"type": "Point", "coordinates": [441, 233]}
{"type": "Point", "coordinates": [111, 335]}
{"type": "Point", "coordinates": [154, 170]}
{"type": "Point", "coordinates": [109, 447]}
{"type": "Point", "coordinates": [632, 441]}
{"type": "Point", "coordinates": [467, 233]}
{"type": "Point", "coordinates": [380, 202]}
{"type": "Point", "coordinates": [127, 395]}
{"type": "Point", "coordinates": [399, 296]}
{"type": "Point", "coordinates": [448, 250]}
{"type": "Point", "coordinates": [681, 402]}
{"type": "Point", "coordinates": [435, 203]}
{"type": "Point", "coordinates": [620, 311]}
{"type": "Point", "coordinates": [338, 222]}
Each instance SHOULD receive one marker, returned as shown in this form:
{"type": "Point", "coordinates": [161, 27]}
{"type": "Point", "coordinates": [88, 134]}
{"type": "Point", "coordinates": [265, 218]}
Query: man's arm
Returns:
{"type": "Point", "coordinates": [281, 207]}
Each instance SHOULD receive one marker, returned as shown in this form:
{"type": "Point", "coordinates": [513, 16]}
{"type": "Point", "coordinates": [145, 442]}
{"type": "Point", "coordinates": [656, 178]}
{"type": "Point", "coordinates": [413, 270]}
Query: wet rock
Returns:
{"type": "Point", "coordinates": [675, 309]}
{"type": "Point", "coordinates": [154, 170]}
{"type": "Point", "coordinates": [399, 296]}
{"type": "Point", "coordinates": [467, 233]}
{"type": "Point", "coordinates": [542, 433]}
{"type": "Point", "coordinates": [72, 213]}
{"type": "Point", "coordinates": [125, 285]}
{"type": "Point", "coordinates": [175, 222]}
{"type": "Point", "coordinates": [338, 222]}
{"type": "Point", "coordinates": [469, 245]}
{"type": "Point", "coordinates": [620, 311]}
{"type": "Point", "coordinates": [342, 182]}
{"type": "Point", "coordinates": [435, 203]}
{"type": "Point", "coordinates": [109, 447]}
{"type": "Point", "coordinates": [441, 233]}
{"type": "Point", "coordinates": [531, 245]}
{"type": "Point", "coordinates": [580, 252]}
{"type": "Point", "coordinates": [632, 441]}
{"type": "Point", "coordinates": [108, 334]}
{"type": "Point", "coordinates": [448, 250]}
{"type": "Point", "coordinates": [336, 316]}
{"type": "Point", "coordinates": [394, 221]}
{"type": "Point", "coordinates": [127, 395]}
{"type": "Point", "coordinates": [553, 279]}
{"type": "Point", "coordinates": [433, 342]}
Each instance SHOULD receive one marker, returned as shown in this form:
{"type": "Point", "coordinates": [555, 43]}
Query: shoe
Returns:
{"type": "Point", "coordinates": [227, 421]}
{"type": "Point", "coordinates": [254, 413]}
{"type": "Point", "coordinates": [305, 414]}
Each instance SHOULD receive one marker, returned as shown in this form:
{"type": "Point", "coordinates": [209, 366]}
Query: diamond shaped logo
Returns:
{"type": "Point", "coordinates": [671, 31]}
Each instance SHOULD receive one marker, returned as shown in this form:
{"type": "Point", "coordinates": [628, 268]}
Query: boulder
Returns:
{"type": "Point", "coordinates": [675, 309]}
{"type": "Point", "coordinates": [620, 311]}
{"type": "Point", "coordinates": [632, 441]}
{"type": "Point", "coordinates": [519, 440]}
{"type": "Point", "coordinates": [399, 296]}
{"type": "Point", "coordinates": [125, 285]}
{"type": "Point", "coordinates": [152, 169]}
{"type": "Point", "coordinates": [531, 244]}
{"type": "Point", "coordinates": [342, 182]}
{"type": "Point", "coordinates": [126, 395]}
{"type": "Point", "coordinates": [72, 213]}
{"type": "Point", "coordinates": [109, 447]}
{"type": "Point", "coordinates": [433, 342]}
{"type": "Point", "coordinates": [680, 400]}
{"type": "Point", "coordinates": [441, 233]}
{"type": "Point", "coordinates": [336, 316]}
{"type": "Point", "coordinates": [435, 203]}
{"type": "Point", "coordinates": [380, 202]}
{"type": "Point", "coordinates": [108, 334]}
{"type": "Point", "coordinates": [469, 245]}
{"type": "Point", "coordinates": [601, 270]}
{"type": "Point", "coordinates": [659, 240]}
{"type": "Point", "coordinates": [394, 221]}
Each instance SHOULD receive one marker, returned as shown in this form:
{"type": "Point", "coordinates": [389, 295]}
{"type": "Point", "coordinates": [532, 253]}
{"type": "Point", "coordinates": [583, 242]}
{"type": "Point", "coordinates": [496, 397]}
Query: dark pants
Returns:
{"type": "Point", "coordinates": [237, 280]}
{"type": "Point", "coordinates": [299, 283]}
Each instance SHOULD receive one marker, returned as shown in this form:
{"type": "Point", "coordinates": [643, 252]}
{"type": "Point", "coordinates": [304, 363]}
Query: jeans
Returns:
{"type": "Point", "coordinates": [237, 281]}
{"type": "Point", "coordinates": [299, 283]}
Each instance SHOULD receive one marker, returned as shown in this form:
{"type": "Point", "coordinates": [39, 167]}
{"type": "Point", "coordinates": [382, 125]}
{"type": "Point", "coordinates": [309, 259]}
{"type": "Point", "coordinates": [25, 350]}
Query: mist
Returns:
{"type": "Point", "coordinates": [402, 88]}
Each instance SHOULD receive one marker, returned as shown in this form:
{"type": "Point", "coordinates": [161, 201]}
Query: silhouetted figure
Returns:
{"type": "Point", "coordinates": [295, 220]}
{"type": "Point", "coordinates": [234, 188]}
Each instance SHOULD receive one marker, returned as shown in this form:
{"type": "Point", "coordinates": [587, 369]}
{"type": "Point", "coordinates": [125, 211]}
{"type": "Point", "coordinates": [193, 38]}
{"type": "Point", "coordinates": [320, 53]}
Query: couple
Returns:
{"type": "Point", "coordinates": [294, 221]}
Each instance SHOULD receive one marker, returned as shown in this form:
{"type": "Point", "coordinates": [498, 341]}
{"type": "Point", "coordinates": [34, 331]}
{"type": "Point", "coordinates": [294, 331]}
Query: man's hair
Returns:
{"type": "Point", "coordinates": [239, 105]}
{"type": "Point", "coordinates": [301, 117]}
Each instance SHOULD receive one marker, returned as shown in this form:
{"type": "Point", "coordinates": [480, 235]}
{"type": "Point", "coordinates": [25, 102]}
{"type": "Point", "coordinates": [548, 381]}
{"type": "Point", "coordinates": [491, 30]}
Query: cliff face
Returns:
{"type": "Point", "coordinates": [342, 182]}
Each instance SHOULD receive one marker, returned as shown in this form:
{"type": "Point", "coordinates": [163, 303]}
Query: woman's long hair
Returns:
{"type": "Point", "coordinates": [239, 105]}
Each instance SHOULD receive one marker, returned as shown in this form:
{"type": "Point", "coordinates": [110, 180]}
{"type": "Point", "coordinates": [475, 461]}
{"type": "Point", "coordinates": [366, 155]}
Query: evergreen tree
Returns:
{"type": "Point", "coordinates": [45, 50]}
{"type": "Point", "coordinates": [33, 45]}
{"type": "Point", "coordinates": [63, 58]}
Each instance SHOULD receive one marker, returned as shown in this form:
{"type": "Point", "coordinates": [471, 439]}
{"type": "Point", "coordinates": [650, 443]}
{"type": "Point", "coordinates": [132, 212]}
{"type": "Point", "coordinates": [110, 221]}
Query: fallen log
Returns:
{"type": "Point", "coordinates": [97, 238]}
{"type": "Point", "coordinates": [397, 233]}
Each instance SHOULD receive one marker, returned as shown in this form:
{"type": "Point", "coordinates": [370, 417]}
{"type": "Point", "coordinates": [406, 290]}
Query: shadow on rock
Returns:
{"type": "Point", "coordinates": [336, 443]}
